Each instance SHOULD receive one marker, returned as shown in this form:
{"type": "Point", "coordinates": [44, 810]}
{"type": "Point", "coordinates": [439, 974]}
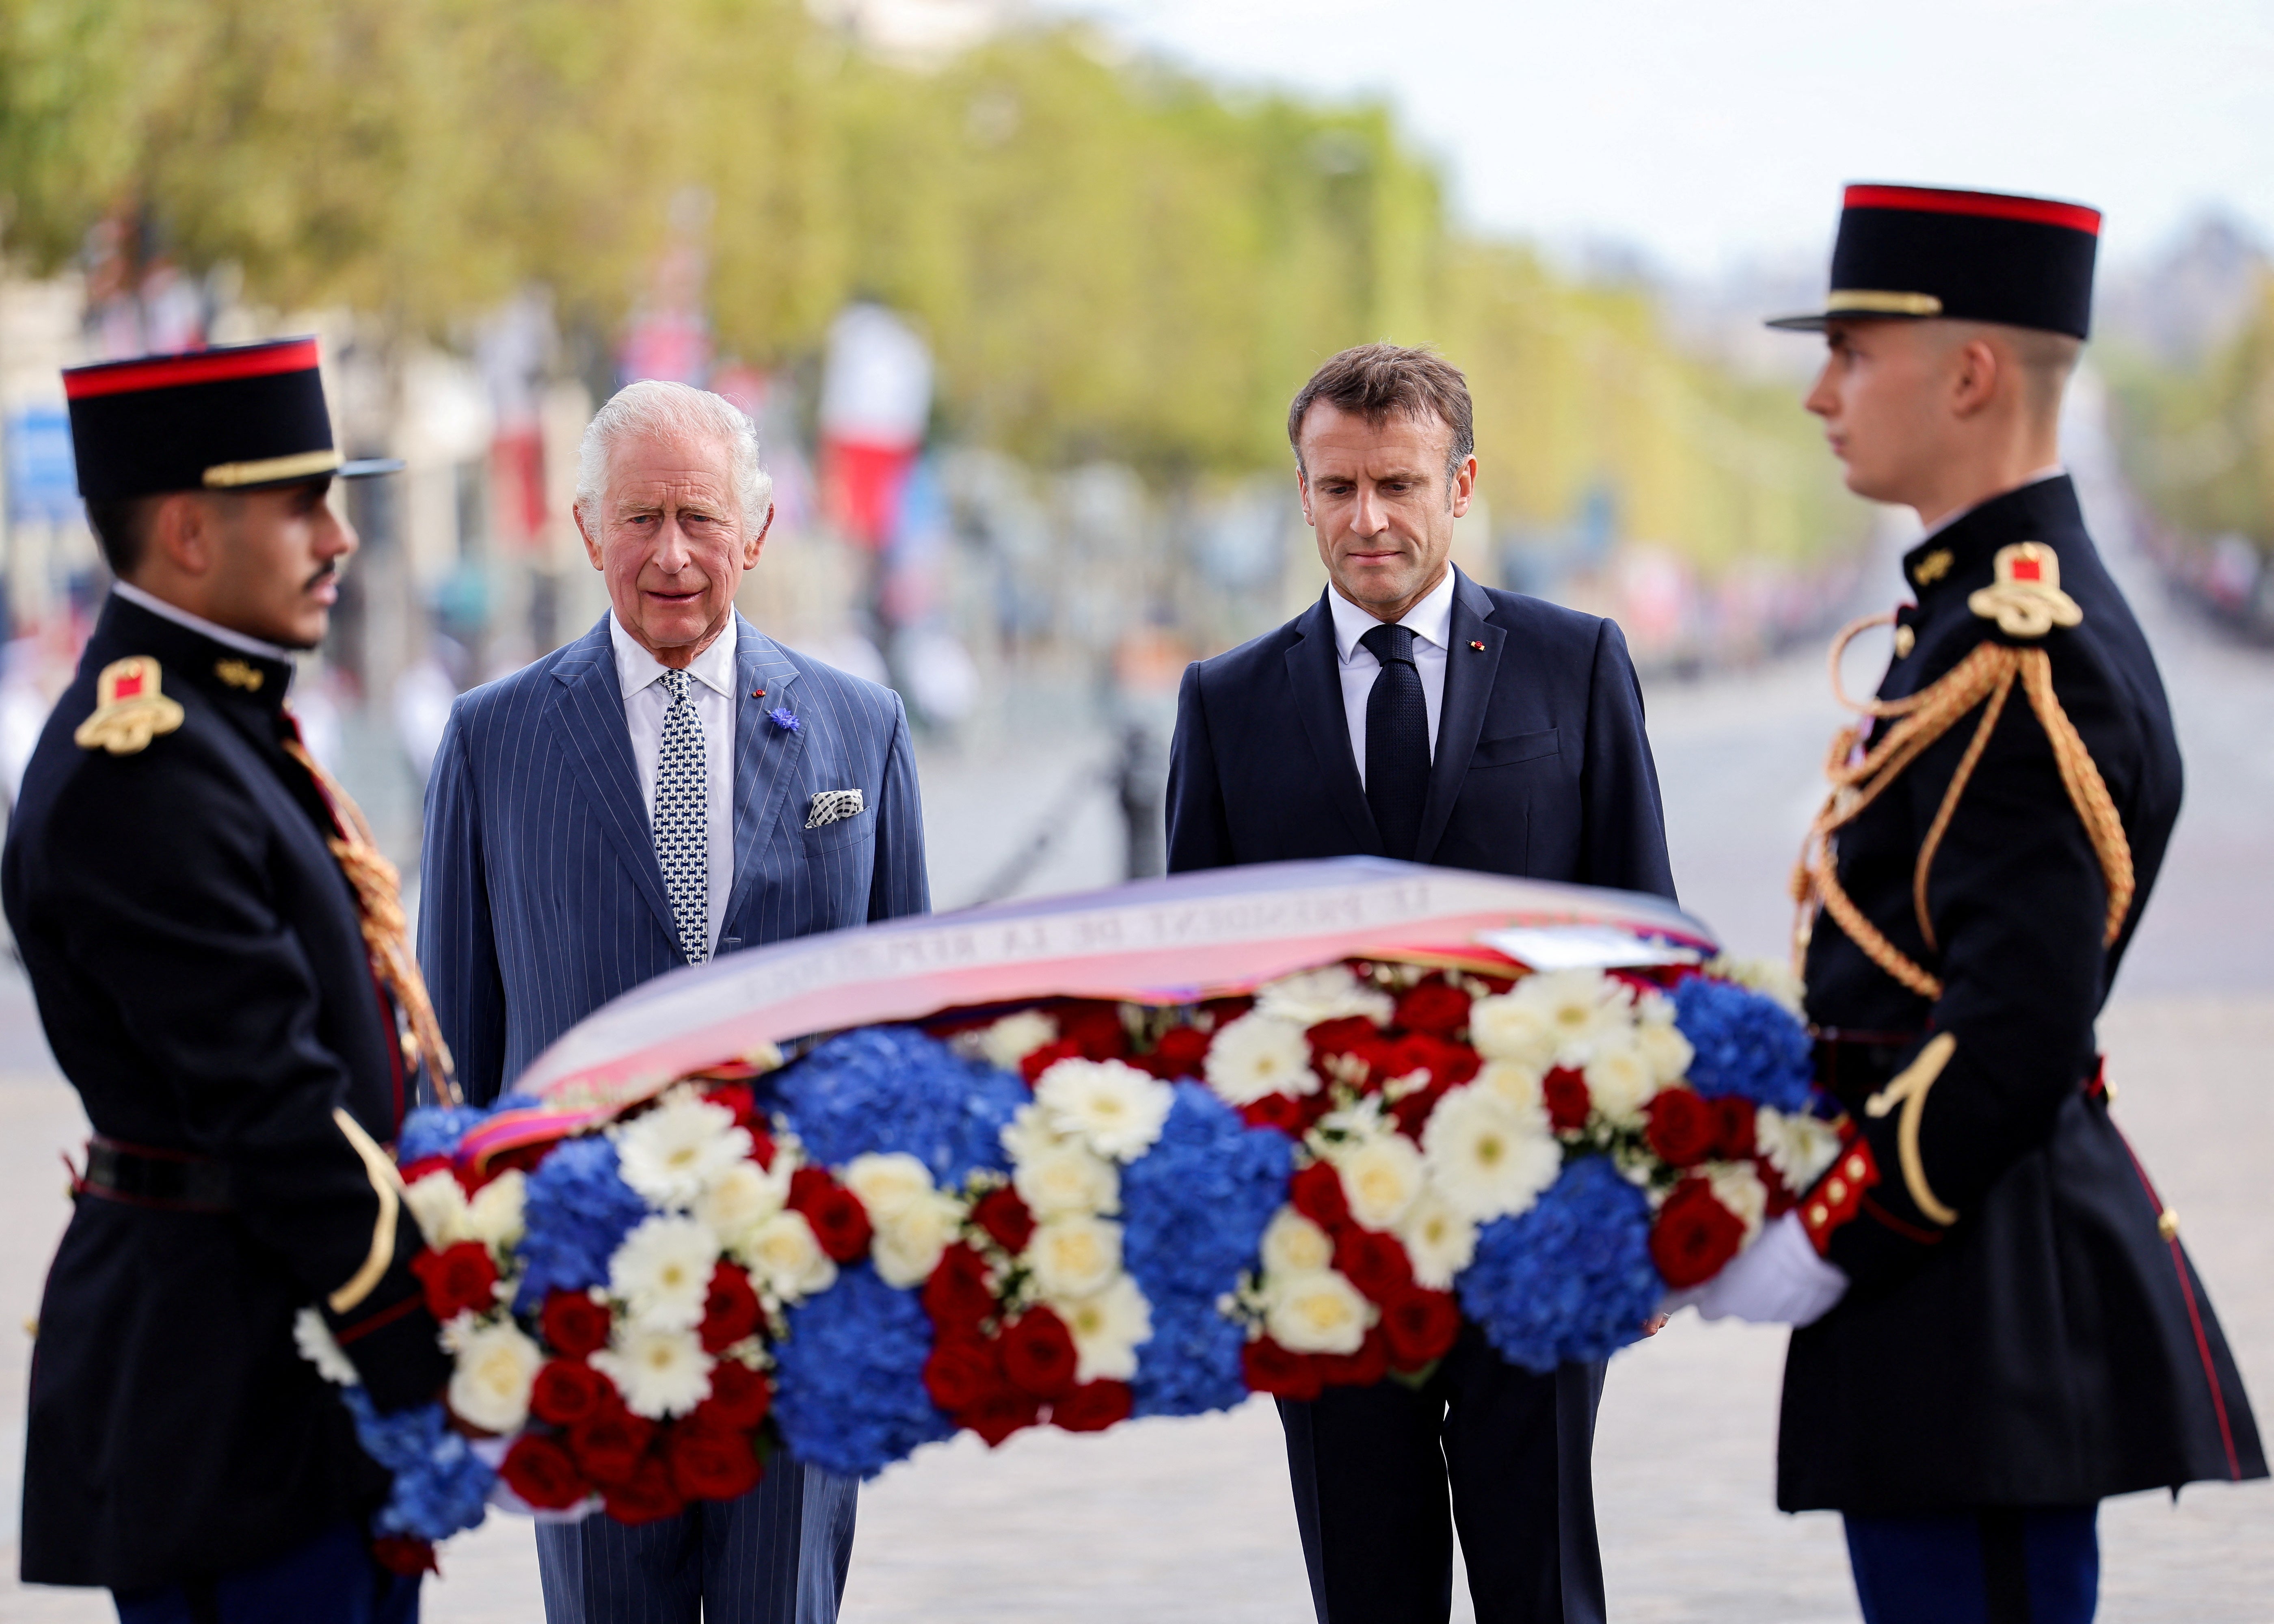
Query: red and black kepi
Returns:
{"type": "Point", "coordinates": [1918, 251]}
{"type": "Point", "coordinates": [233, 419]}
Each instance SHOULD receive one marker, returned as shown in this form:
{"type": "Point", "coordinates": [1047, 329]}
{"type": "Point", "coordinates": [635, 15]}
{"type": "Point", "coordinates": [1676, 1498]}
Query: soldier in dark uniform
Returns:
{"type": "Point", "coordinates": [218, 958]}
{"type": "Point", "coordinates": [1998, 1326]}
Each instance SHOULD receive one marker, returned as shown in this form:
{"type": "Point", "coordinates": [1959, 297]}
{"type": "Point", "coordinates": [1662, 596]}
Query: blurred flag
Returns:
{"type": "Point", "coordinates": [876, 401]}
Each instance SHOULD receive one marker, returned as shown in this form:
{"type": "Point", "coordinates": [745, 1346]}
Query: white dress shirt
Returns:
{"type": "Point", "coordinates": [199, 624]}
{"type": "Point", "coordinates": [1431, 622]}
{"type": "Point", "coordinates": [712, 694]}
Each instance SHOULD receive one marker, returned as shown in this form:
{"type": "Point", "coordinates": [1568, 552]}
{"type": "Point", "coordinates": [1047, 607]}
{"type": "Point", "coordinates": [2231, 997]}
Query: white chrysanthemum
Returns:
{"type": "Point", "coordinates": [1330, 994]}
{"type": "Point", "coordinates": [1028, 1134]}
{"type": "Point", "coordinates": [1620, 1079]}
{"type": "Point", "coordinates": [1771, 978]}
{"type": "Point", "coordinates": [439, 1203]}
{"type": "Point", "coordinates": [1114, 1107]}
{"type": "Point", "coordinates": [669, 1153]}
{"type": "Point", "coordinates": [1065, 1178]}
{"type": "Point", "coordinates": [887, 1184]}
{"type": "Point", "coordinates": [1381, 1177]}
{"type": "Point", "coordinates": [1073, 1257]}
{"type": "Point", "coordinates": [1798, 1147]}
{"type": "Point", "coordinates": [1485, 1158]}
{"type": "Point", "coordinates": [496, 1363]}
{"type": "Point", "coordinates": [1517, 1084]}
{"type": "Point", "coordinates": [1108, 1326]}
{"type": "Point", "coordinates": [1292, 1244]}
{"type": "Point", "coordinates": [908, 1245]}
{"type": "Point", "coordinates": [1664, 1049]}
{"type": "Point", "coordinates": [493, 1216]}
{"type": "Point", "coordinates": [1010, 1040]}
{"type": "Point", "coordinates": [785, 1256]}
{"type": "Point", "coordinates": [1739, 1188]}
{"type": "Point", "coordinates": [661, 1373]}
{"type": "Point", "coordinates": [1503, 1027]}
{"type": "Point", "coordinates": [314, 1338]}
{"type": "Point", "coordinates": [1439, 1241]}
{"type": "Point", "coordinates": [1581, 1007]}
{"type": "Point", "coordinates": [1259, 1055]}
{"type": "Point", "coordinates": [1317, 1312]}
{"type": "Point", "coordinates": [662, 1271]}
{"type": "Point", "coordinates": [734, 1203]}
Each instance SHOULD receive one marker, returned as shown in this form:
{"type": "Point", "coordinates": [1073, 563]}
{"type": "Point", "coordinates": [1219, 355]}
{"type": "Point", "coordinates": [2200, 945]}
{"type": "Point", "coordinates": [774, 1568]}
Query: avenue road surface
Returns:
{"type": "Point", "coordinates": [1191, 1518]}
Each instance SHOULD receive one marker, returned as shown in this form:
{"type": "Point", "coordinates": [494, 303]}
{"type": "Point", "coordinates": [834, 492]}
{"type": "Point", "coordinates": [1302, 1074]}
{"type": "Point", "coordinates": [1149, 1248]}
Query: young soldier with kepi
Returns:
{"type": "Point", "coordinates": [220, 968]}
{"type": "Point", "coordinates": [1996, 1324]}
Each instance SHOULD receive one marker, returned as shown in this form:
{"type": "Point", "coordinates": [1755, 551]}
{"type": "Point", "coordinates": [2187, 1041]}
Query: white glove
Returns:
{"type": "Point", "coordinates": [1778, 1279]}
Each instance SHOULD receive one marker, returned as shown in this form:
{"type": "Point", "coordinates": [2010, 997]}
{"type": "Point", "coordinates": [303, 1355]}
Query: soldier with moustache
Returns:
{"type": "Point", "coordinates": [220, 963]}
{"type": "Point", "coordinates": [1997, 1323]}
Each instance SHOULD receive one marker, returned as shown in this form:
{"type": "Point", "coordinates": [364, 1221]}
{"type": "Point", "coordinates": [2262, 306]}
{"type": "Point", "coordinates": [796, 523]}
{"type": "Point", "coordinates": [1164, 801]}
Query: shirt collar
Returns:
{"type": "Point", "coordinates": [199, 624]}
{"type": "Point", "coordinates": [2053, 473]}
{"type": "Point", "coordinates": [1430, 620]}
{"type": "Point", "coordinates": [635, 667]}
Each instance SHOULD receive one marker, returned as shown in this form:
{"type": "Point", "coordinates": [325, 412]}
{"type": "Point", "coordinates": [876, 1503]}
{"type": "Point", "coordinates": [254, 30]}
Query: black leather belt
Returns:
{"type": "Point", "coordinates": [141, 1175]}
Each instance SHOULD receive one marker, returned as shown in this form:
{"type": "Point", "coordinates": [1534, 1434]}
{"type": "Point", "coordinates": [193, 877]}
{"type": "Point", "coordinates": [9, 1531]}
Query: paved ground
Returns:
{"type": "Point", "coordinates": [1191, 1517]}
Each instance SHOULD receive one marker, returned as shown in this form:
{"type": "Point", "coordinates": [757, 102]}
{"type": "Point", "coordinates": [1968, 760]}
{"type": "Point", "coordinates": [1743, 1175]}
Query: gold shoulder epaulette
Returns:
{"type": "Point", "coordinates": [2025, 600]}
{"type": "Point", "coordinates": [130, 709]}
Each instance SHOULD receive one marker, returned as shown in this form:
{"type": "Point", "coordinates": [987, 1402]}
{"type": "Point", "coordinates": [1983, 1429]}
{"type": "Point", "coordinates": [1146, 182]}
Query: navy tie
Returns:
{"type": "Point", "coordinates": [1396, 742]}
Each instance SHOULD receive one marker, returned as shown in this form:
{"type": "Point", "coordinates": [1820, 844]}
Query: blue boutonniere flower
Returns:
{"type": "Point", "coordinates": [785, 719]}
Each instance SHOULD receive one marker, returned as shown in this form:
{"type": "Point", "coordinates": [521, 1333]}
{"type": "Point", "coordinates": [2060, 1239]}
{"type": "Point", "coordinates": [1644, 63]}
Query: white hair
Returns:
{"type": "Point", "coordinates": [653, 409]}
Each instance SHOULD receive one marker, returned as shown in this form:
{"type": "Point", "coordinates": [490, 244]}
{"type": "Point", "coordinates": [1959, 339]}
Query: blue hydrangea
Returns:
{"type": "Point", "coordinates": [1570, 1279]}
{"type": "Point", "coordinates": [440, 1485]}
{"type": "Point", "coordinates": [578, 1210]}
{"type": "Point", "coordinates": [891, 1089]}
{"type": "Point", "coordinates": [1195, 1207]}
{"type": "Point", "coordinates": [1747, 1044]}
{"type": "Point", "coordinates": [849, 1392]}
{"type": "Point", "coordinates": [434, 1131]}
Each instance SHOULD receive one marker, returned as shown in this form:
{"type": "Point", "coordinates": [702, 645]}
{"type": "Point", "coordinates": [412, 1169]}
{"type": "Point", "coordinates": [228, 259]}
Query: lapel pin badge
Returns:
{"type": "Point", "coordinates": [1477, 644]}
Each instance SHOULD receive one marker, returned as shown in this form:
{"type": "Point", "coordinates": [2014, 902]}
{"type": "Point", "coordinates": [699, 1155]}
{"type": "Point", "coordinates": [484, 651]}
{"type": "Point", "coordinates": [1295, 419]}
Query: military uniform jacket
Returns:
{"type": "Point", "coordinates": [201, 975]}
{"type": "Point", "coordinates": [2020, 1331]}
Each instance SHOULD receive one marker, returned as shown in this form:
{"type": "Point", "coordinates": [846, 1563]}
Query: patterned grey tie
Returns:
{"type": "Point", "coordinates": [681, 808]}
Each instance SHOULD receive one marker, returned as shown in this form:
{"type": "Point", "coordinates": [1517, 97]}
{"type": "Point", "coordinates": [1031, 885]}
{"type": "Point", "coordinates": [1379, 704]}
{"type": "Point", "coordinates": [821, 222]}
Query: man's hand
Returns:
{"type": "Point", "coordinates": [1778, 1280]}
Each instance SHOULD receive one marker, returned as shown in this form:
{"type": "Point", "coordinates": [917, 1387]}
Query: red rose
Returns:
{"type": "Point", "coordinates": [1374, 1262]}
{"type": "Point", "coordinates": [540, 1471]}
{"type": "Point", "coordinates": [1038, 1061]}
{"type": "Point", "coordinates": [610, 1446]}
{"type": "Point", "coordinates": [840, 1224]}
{"type": "Point", "coordinates": [1781, 1199]}
{"type": "Point", "coordinates": [1434, 1007]}
{"type": "Point", "coordinates": [574, 1325]}
{"type": "Point", "coordinates": [731, 1311]}
{"type": "Point", "coordinates": [1293, 1117]}
{"type": "Point", "coordinates": [739, 1397]}
{"type": "Point", "coordinates": [1093, 1406]}
{"type": "Point", "coordinates": [1369, 1364]}
{"type": "Point", "coordinates": [1038, 1353]}
{"type": "Point", "coordinates": [1181, 1052]}
{"type": "Point", "coordinates": [959, 1371]}
{"type": "Point", "coordinates": [1564, 1091]}
{"type": "Point", "coordinates": [646, 1496]}
{"type": "Point", "coordinates": [456, 1278]}
{"type": "Point", "coordinates": [1680, 1127]}
{"type": "Point", "coordinates": [1270, 1368]}
{"type": "Point", "coordinates": [711, 1462]}
{"type": "Point", "coordinates": [1695, 1235]}
{"type": "Point", "coordinates": [739, 1099]}
{"type": "Point", "coordinates": [568, 1391]}
{"type": "Point", "coordinates": [959, 1295]}
{"type": "Point", "coordinates": [1733, 1127]}
{"type": "Point", "coordinates": [1345, 1034]}
{"type": "Point", "coordinates": [1448, 1064]}
{"type": "Point", "coordinates": [1317, 1194]}
{"type": "Point", "coordinates": [412, 1172]}
{"type": "Point", "coordinates": [999, 1412]}
{"type": "Point", "coordinates": [400, 1555]}
{"type": "Point", "coordinates": [1420, 1326]}
{"type": "Point", "coordinates": [1410, 1111]}
{"type": "Point", "coordinates": [1004, 1215]}
{"type": "Point", "coordinates": [1095, 1030]}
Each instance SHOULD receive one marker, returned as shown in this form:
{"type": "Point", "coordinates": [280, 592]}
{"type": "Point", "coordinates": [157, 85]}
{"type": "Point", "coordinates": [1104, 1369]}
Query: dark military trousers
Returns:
{"type": "Point", "coordinates": [1998, 1566]}
{"type": "Point", "coordinates": [330, 1580]}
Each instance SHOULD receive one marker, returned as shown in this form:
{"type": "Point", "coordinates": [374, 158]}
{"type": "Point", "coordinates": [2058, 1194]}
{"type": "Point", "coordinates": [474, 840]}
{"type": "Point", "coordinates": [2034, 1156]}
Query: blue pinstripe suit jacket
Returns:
{"type": "Point", "coordinates": [541, 898]}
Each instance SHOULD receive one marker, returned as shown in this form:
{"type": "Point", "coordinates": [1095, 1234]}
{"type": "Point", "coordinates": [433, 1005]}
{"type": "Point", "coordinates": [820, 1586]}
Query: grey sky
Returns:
{"type": "Point", "coordinates": [1712, 131]}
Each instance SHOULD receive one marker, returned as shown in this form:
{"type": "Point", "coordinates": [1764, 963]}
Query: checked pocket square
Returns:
{"type": "Point", "coordinates": [830, 805]}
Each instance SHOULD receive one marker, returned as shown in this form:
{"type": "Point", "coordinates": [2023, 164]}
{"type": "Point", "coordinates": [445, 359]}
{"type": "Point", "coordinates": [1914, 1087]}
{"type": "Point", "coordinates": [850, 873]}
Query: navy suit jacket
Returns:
{"type": "Point", "coordinates": [1541, 768]}
{"type": "Point", "coordinates": [541, 898]}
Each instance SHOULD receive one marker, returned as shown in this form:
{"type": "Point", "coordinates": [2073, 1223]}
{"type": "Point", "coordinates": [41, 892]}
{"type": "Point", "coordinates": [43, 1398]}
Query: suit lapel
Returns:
{"type": "Point", "coordinates": [1314, 673]}
{"type": "Point", "coordinates": [766, 758]}
{"type": "Point", "coordinates": [1461, 713]}
{"type": "Point", "coordinates": [586, 711]}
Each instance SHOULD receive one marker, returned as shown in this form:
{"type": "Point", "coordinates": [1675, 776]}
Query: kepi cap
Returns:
{"type": "Point", "coordinates": [1920, 252]}
{"type": "Point", "coordinates": [239, 418]}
